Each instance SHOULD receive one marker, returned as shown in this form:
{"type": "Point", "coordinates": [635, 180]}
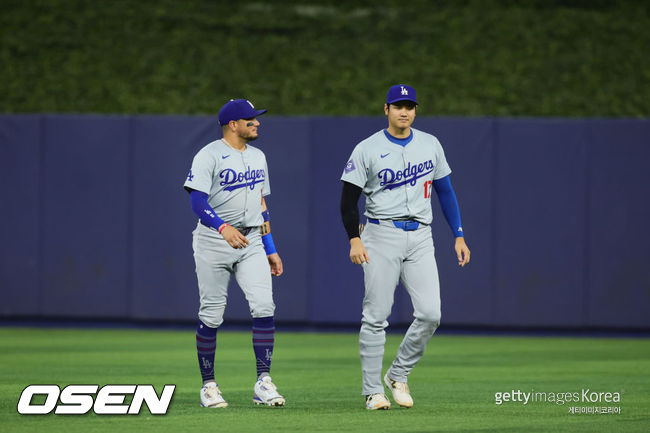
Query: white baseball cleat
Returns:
{"type": "Point", "coordinates": [267, 393]}
{"type": "Point", "coordinates": [377, 401]}
{"type": "Point", "coordinates": [400, 390]}
{"type": "Point", "coordinates": [211, 396]}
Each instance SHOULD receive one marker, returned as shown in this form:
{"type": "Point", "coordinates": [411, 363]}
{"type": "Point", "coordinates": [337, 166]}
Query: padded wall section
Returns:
{"type": "Point", "coordinates": [540, 236]}
{"type": "Point", "coordinates": [618, 215]}
{"type": "Point", "coordinates": [85, 216]}
{"type": "Point", "coordinates": [20, 163]}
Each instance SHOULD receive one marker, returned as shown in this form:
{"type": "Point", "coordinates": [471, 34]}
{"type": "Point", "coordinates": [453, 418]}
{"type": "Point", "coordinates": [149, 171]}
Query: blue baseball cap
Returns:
{"type": "Point", "coordinates": [236, 109]}
{"type": "Point", "coordinates": [401, 92]}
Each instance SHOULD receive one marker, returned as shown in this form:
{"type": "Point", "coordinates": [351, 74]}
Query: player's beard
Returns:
{"type": "Point", "coordinates": [249, 137]}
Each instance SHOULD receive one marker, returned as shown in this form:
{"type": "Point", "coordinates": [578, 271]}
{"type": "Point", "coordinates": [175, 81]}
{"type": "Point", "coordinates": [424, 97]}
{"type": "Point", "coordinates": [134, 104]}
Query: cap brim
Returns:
{"type": "Point", "coordinates": [260, 112]}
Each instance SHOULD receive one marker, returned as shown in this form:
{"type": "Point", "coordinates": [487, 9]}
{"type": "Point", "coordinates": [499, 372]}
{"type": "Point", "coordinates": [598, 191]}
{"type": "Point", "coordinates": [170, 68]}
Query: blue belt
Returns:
{"type": "Point", "coordinates": [404, 225]}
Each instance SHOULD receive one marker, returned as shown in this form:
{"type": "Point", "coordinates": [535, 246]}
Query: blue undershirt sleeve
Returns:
{"type": "Point", "coordinates": [449, 204]}
{"type": "Point", "coordinates": [206, 214]}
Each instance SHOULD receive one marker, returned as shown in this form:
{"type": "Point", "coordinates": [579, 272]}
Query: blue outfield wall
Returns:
{"type": "Point", "coordinates": [96, 224]}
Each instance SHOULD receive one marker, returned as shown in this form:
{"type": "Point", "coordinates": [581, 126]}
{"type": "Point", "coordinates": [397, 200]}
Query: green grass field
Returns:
{"type": "Point", "coordinates": [453, 387]}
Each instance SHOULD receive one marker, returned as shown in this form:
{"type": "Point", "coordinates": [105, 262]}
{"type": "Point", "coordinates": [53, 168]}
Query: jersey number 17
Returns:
{"type": "Point", "coordinates": [427, 189]}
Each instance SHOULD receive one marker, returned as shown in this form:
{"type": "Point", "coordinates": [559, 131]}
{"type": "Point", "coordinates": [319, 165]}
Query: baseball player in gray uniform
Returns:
{"type": "Point", "coordinates": [227, 184]}
{"type": "Point", "coordinates": [397, 168]}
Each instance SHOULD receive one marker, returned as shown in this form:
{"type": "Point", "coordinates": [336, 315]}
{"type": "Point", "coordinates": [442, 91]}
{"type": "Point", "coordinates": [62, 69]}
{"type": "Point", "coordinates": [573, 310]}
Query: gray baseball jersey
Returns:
{"type": "Point", "coordinates": [397, 180]}
{"type": "Point", "coordinates": [234, 181]}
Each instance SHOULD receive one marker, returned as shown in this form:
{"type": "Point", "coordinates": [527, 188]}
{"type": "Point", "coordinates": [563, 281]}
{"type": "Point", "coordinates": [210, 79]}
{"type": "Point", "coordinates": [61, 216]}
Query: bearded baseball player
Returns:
{"type": "Point", "coordinates": [227, 184]}
{"type": "Point", "coordinates": [397, 168]}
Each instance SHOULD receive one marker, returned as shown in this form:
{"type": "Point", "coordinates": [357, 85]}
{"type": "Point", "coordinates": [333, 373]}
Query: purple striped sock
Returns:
{"type": "Point", "coordinates": [206, 343]}
{"type": "Point", "coordinates": [263, 338]}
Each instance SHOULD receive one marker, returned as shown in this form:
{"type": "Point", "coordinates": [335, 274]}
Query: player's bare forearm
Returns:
{"type": "Point", "coordinates": [462, 251]}
{"type": "Point", "coordinates": [358, 253]}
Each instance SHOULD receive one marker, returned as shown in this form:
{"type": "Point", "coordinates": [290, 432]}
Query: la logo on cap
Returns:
{"type": "Point", "coordinates": [404, 91]}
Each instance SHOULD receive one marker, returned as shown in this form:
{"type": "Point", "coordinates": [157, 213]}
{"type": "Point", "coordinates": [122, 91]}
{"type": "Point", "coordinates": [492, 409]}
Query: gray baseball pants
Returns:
{"type": "Point", "coordinates": [216, 261]}
{"type": "Point", "coordinates": [397, 255]}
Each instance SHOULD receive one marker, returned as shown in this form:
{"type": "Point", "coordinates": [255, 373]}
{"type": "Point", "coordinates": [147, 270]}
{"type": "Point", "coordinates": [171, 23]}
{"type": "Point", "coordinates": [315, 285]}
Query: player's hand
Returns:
{"type": "Point", "coordinates": [276, 264]}
{"type": "Point", "coordinates": [358, 253]}
{"type": "Point", "coordinates": [462, 251]}
{"type": "Point", "coordinates": [234, 238]}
